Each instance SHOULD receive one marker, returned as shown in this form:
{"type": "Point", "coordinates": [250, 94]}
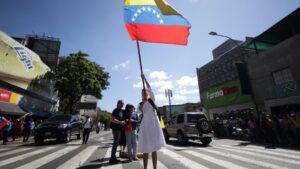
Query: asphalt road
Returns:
{"type": "Point", "coordinates": [230, 154]}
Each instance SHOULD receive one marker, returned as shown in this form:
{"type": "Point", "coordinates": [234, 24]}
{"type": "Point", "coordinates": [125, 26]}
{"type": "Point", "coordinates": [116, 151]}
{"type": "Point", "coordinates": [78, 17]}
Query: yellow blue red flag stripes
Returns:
{"type": "Point", "coordinates": [155, 21]}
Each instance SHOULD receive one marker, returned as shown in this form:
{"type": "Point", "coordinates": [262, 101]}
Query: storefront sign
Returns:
{"type": "Point", "coordinates": [223, 95]}
{"type": "Point", "coordinates": [223, 92]}
{"type": "Point", "coordinates": [4, 95]}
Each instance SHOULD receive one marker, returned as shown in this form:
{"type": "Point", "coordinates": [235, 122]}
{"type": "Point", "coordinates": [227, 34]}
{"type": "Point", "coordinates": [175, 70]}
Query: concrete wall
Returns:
{"type": "Point", "coordinates": [261, 67]}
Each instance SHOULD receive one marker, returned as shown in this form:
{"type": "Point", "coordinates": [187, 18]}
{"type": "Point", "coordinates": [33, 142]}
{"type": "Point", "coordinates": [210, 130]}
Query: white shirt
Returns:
{"type": "Point", "coordinates": [87, 124]}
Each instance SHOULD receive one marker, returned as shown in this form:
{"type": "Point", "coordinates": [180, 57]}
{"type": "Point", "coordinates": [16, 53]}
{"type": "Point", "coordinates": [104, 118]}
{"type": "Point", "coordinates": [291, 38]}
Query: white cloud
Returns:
{"type": "Point", "coordinates": [160, 98]}
{"type": "Point", "coordinates": [137, 85]}
{"type": "Point", "coordinates": [159, 85]}
{"type": "Point", "coordinates": [189, 91]}
{"type": "Point", "coordinates": [121, 65]}
{"type": "Point", "coordinates": [162, 85]}
{"type": "Point", "coordinates": [187, 81]}
{"type": "Point", "coordinates": [159, 75]}
{"type": "Point", "coordinates": [178, 98]}
{"type": "Point", "coordinates": [185, 89]}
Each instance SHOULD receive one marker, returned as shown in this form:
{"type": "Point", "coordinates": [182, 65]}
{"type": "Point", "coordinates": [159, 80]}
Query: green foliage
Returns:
{"type": "Point", "coordinates": [105, 118]}
{"type": "Point", "coordinates": [75, 76]}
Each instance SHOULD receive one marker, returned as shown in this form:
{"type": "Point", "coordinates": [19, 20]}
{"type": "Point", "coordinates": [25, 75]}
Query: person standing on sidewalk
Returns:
{"type": "Point", "coordinates": [117, 123]}
{"type": "Point", "coordinates": [87, 126]}
{"type": "Point", "coordinates": [27, 129]}
{"type": "Point", "coordinates": [131, 132]}
{"type": "Point", "coordinates": [151, 138]}
{"type": "Point", "coordinates": [5, 127]}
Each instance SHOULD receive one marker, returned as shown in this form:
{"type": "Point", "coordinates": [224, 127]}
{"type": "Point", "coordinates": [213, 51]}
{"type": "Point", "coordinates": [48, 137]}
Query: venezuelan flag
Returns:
{"type": "Point", "coordinates": [155, 21]}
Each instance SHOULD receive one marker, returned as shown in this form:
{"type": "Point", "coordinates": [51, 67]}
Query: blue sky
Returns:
{"type": "Point", "coordinates": [97, 28]}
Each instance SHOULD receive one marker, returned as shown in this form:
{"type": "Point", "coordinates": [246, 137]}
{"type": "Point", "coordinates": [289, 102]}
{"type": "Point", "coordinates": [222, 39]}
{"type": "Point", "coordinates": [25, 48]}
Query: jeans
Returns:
{"type": "Point", "coordinates": [116, 135]}
{"type": "Point", "coordinates": [131, 139]}
{"type": "Point", "coordinates": [86, 134]}
{"type": "Point", "coordinates": [5, 134]}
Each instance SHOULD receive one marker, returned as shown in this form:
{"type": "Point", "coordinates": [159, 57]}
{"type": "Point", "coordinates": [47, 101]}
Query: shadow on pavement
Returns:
{"type": "Point", "coordinates": [187, 145]}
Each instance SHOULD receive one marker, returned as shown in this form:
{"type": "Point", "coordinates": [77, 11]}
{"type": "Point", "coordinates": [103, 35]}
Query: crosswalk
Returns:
{"type": "Point", "coordinates": [96, 154]}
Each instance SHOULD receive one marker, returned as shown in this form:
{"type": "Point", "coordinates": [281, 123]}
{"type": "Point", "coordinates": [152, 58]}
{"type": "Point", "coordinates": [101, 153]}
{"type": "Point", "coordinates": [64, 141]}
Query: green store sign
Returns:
{"type": "Point", "coordinates": [224, 95]}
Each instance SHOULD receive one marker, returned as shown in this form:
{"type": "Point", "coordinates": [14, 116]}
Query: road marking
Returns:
{"type": "Point", "coordinates": [23, 156]}
{"type": "Point", "coordinates": [107, 156]}
{"type": "Point", "coordinates": [160, 165]}
{"type": "Point", "coordinates": [183, 160]}
{"type": "Point", "coordinates": [48, 158]}
{"type": "Point", "coordinates": [100, 139]}
{"type": "Point", "coordinates": [271, 153]}
{"type": "Point", "coordinates": [79, 159]}
{"type": "Point", "coordinates": [276, 150]}
{"type": "Point", "coordinates": [14, 151]}
{"type": "Point", "coordinates": [229, 148]}
{"type": "Point", "coordinates": [92, 136]}
{"type": "Point", "coordinates": [247, 160]}
{"type": "Point", "coordinates": [4, 149]}
{"type": "Point", "coordinates": [222, 163]}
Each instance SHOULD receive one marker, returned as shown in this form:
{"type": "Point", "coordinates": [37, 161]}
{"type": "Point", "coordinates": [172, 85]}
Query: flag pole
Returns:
{"type": "Point", "coordinates": [140, 60]}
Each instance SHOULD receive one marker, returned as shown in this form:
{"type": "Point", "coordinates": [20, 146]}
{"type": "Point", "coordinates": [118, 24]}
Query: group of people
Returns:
{"type": "Point", "coordinates": [17, 127]}
{"type": "Point", "coordinates": [139, 130]}
{"type": "Point", "coordinates": [282, 129]}
{"type": "Point", "coordinates": [274, 129]}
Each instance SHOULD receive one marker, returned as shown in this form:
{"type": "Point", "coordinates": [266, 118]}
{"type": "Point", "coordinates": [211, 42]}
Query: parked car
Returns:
{"type": "Point", "coordinates": [60, 127]}
{"type": "Point", "coordinates": [189, 125]}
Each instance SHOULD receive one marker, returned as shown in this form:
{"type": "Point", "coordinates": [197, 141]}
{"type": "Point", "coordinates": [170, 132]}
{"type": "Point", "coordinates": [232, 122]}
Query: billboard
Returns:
{"type": "Point", "coordinates": [226, 94]}
{"type": "Point", "coordinates": [18, 67]}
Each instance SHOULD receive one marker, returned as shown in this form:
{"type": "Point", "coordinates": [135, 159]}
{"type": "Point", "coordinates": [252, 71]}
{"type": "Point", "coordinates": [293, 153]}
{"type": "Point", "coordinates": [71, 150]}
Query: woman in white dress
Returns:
{"type": "Point", "coordinates": [150, 138]}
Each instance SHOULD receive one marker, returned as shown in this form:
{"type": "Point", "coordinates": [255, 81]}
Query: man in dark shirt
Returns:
{"type": "Point", "coordinates": [116, 125]}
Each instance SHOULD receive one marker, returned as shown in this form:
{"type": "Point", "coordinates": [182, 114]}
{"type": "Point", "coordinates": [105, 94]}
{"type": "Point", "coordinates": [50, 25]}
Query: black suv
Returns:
{"type": "Point", "coordinates": [61, 127]}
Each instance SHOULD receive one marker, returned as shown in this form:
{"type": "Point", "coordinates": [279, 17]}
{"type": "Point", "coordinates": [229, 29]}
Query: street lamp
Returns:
{"type": "Point", "coordinates": [240, 49]}
{"type": "Point", "coordinates": [224, 36]}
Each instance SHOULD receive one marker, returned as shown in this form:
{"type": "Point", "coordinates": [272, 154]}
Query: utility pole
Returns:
{"type": "Point", "coordinates": [169, 95]}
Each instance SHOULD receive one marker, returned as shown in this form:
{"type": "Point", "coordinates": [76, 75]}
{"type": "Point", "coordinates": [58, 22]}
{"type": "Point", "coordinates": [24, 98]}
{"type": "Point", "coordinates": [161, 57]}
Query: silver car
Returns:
{"type": "Point", "coordinates": [189, 125]}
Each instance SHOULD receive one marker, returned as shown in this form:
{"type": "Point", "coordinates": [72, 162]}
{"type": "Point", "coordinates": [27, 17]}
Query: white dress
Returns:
{"type": "Point", "coordinates": [150, 136]}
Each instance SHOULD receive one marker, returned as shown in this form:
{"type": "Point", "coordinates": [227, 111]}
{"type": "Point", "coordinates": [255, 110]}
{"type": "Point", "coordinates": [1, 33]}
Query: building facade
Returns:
{"type": "Point", "coordinates": [221, 82]}
{"type": "Point", "coordinates": [275, 72]}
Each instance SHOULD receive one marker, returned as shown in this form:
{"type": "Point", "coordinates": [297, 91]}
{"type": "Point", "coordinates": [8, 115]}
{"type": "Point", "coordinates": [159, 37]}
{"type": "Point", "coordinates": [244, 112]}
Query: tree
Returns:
{"type": "Point", "coordinates": [105, 118]}
{"type": "Point", "coordinates": [75, 76]}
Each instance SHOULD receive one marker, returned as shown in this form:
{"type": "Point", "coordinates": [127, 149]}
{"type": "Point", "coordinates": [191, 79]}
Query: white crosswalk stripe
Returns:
{"type": "Point", "coordinates": [225, 164]}
{"type": "Point", "coordinates": [92, 136]}
{"type": "Point", "coordinates": [160, 165]}
{"type": "Point", "coordinates": [243, 159]}
{"type": "Point", "coordinates": [279, 150]}
{"type": "Point", "coordinates": [79, 159]}
{"type": "Point", "coordinates": [24, 156]}
{"type": "Point", "coordinates": [229, 148]}
{"type": "Point", "coordinates": [14, 151]}
{"type": "Point", "coordinates": [107, 156]}
{"type": "Point", "coordinates": [271, 153]}
{"type": "Point", "coordinates": [4, 149]}
{"type": "Point", "coordinates": [183, 160]}
{"type": "Point", "coordinates": [44, 160]}
{"type": "Point", "coordinates": [72, 156]}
